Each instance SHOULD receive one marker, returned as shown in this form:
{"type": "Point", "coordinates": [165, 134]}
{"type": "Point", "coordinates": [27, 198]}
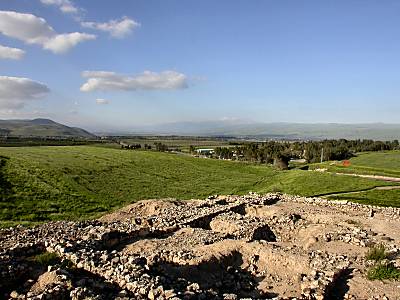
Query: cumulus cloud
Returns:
{"type": "Point", "coordinates": [65, 6]}
{"type": "Point", "coordinates": [15, 92]}
{"type": "Point", "coordinates": [34, 30]}
{"type": "Point", "coordinates": [102, 101]}
{"type": "Point", "coordinates": [108, 81]}
{"type": "Point", "coordinates": [116, 28]}
{"type": "Point", "coordinates": [63, 42]}
{"type": "Point", "coordinates": [11, 53]}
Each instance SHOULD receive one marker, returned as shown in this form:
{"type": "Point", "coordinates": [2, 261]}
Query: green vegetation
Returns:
{"type": "Point", "coordinates": [387, 160]}
{"type": "Point", "coordinates": [385, 163]}
{"type": "Point", "coordinates": [77, 182]}
{"type": "Point", "coordinates": [180, 143]}
{"type": "Point", "coordinates": [383, 271]}
{"type": "Point", "coordinates": [382, 268]}
{"type": "Point", "coordinates": [40, 128]}
{"type": "Point", "coordinates": [372, 197]}
{"type": "Point", "coordinates": [311, 151]}
{"type": "Point", "coordinates": [47, 259]}
{"type": "Point", "coordinates": [376, 253]}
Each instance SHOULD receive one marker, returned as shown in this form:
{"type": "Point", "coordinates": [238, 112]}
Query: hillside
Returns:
{"type": "Point", "coordinates": [56, 183]}
{"type": "Point", "coordinates": [40, 128]}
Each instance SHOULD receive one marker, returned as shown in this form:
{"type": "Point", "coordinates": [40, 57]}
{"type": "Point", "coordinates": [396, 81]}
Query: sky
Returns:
{"type": "Point", "coordinates": [108, 65]}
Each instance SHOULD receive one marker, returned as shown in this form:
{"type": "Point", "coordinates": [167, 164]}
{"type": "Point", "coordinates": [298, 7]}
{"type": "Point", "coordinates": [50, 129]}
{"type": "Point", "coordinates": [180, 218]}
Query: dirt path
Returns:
{"type": "Point", "coordinates": [376, 177]}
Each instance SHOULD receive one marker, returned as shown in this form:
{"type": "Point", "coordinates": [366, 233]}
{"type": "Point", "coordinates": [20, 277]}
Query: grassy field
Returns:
{"type": "Point", "coordinates": [385, 163]}
{"type": "Point", "coordinates": [74, 182]}
{"type": "Point", "coordinates": [374, 197]}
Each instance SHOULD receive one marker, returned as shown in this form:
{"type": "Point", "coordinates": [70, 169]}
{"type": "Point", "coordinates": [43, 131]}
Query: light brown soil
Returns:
{"type": "Point", "coordinates": [286, 260]}
{"type": "Point", "coordinates": [227, 247]}
{"type": "Point", "coordinates": [142, 208]}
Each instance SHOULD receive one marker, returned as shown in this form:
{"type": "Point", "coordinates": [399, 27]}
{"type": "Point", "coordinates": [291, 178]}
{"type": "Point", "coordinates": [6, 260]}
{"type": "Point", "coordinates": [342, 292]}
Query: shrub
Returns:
{"type": "Point", "coordinates": [383, 271]}
{"type": "Point", "coordinates": [47, 258]}
{"type": "Point", "coordinates": [377, 253]}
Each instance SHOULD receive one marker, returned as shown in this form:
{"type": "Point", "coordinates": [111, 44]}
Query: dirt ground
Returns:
{"type": "Point", "coordinates": [332, 229]}
{"type": "Point", "coordinates": [270, 246]}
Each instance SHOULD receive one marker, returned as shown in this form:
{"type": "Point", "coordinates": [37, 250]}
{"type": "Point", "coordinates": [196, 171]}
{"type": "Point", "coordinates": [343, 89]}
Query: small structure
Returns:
{"type": "Point", "coordinates": [346, 163]}
{"type": "Point", "coordinates": [205, 151]}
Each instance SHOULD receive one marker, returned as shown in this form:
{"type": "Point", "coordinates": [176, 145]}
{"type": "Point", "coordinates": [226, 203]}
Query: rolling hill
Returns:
{"type": "Point", "coordinates": [40, 128]}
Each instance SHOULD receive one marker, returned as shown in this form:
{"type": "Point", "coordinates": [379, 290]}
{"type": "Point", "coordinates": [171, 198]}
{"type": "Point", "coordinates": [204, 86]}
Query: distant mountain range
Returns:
{"type": "Point", "coordinates": [290, 131]}
{"type": "Point", "coordinates": [40, 128]}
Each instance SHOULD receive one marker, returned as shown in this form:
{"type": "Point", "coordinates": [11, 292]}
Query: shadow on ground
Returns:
{"type": "Point", "coordinates": [214, 277]}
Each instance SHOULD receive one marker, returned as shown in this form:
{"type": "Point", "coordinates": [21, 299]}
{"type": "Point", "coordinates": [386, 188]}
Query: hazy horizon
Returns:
{"type": "Point", "coordinates": [127, 64]}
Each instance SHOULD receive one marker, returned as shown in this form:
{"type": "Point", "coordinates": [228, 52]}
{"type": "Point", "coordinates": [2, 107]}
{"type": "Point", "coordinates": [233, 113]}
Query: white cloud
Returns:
{"type": "Point", "coordinates": [15, 92]}
{"type": "Point", "coordinates": [34, 30]}
{"type": "Point", "coordinates": [102, 101]}
{"type": "Point", "coordinates": [11, 53]}
{"type": "Point", "coordinates": [65, 6]}
{"type": "Point", "coordinates": [106, 81]}
{"type": "Point", "coordinates": [116, 28]}
{"type": "Point", "coordinates": [63, 42]}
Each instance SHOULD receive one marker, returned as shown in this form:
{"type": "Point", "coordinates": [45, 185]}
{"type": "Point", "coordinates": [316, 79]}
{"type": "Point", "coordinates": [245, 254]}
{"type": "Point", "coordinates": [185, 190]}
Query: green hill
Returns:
{"type": "Point", "coordinates": [73, 182]}
{"type": "Point", "coordinates": [40, 128]}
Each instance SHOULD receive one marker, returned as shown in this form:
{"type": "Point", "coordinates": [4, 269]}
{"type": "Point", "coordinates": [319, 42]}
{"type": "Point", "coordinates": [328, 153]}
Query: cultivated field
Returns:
{"type": "Point", "coordinates": [52, 183]}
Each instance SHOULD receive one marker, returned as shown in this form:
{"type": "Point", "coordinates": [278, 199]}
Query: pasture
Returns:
{"type": "Point", "coordinates": [78, 182]}
{"type": "Point", "coordinates": [384, 163]}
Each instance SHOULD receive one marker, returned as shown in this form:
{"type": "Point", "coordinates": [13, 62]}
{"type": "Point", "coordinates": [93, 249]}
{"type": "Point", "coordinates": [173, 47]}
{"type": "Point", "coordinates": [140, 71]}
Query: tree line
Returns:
{"type": "Point", "coordinates": [311, 151]}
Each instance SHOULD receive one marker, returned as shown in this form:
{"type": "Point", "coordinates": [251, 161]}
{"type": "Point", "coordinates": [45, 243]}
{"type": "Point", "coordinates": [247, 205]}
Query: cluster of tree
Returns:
{"type": "Point", "coordinates": [342, 149]}
{"type": "Point", "coordinates": [312, 151]}
{"type": "Point", "coordinates": [192, 149]}
{"type": "Point", "coordinates": [131, 146]}
{"type": "Point", "coordinates": [223, 153]}
{"type": "Point", "coordinates": [160, 147]}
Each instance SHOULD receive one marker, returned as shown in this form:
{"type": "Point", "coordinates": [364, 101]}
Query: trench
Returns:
{"type": "Point", "coordinates": [218, 275]}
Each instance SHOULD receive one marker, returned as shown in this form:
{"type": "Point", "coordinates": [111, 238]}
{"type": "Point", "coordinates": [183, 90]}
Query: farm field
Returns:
{"type": "Point", "coordinates": [78, 182]}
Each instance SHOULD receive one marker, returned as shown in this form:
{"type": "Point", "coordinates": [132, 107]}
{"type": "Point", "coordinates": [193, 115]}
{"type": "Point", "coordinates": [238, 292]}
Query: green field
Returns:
{"type": "Point", "coordinates": [385, 163]}
{"type": "Point", "coordinates": [373, 197]}
{"type": "Point", "coordinates": [75, 182]}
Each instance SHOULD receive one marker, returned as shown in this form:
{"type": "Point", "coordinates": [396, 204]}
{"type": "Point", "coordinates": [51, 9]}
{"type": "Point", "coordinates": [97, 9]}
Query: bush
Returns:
{"type": "Point", "coordinates": [47, 258]}
{"type": "Point", "coordinates": [383, 271]}
{"type": "Point", "coordinates": [377, 253]}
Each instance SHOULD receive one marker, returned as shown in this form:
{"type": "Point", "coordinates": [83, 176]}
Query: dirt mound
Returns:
{"type": "Point", "coordinates": [45, 281]}
{"type": "Point", "coordinates": [254, 247]}
{"type": "Point", "coordinates": [141, 209]}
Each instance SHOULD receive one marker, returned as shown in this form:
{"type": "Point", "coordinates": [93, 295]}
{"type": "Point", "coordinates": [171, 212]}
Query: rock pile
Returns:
{"type": "Point", "coordinates": [227, 247]}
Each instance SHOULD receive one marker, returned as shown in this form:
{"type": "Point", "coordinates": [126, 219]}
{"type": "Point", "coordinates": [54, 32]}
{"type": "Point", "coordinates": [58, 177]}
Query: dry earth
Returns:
{"type": "Point", "coordinates": [227, 247]}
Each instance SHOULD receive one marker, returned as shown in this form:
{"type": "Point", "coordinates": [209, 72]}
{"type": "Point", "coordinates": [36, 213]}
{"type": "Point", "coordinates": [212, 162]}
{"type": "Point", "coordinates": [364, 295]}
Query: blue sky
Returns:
{"type": "Point", "coordinates": [171, 61]}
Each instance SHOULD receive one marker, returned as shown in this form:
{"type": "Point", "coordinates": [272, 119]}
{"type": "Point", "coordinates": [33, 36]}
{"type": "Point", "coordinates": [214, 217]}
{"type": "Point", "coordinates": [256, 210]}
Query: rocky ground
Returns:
{"type": "Point", "coordinates": [227, 247]}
